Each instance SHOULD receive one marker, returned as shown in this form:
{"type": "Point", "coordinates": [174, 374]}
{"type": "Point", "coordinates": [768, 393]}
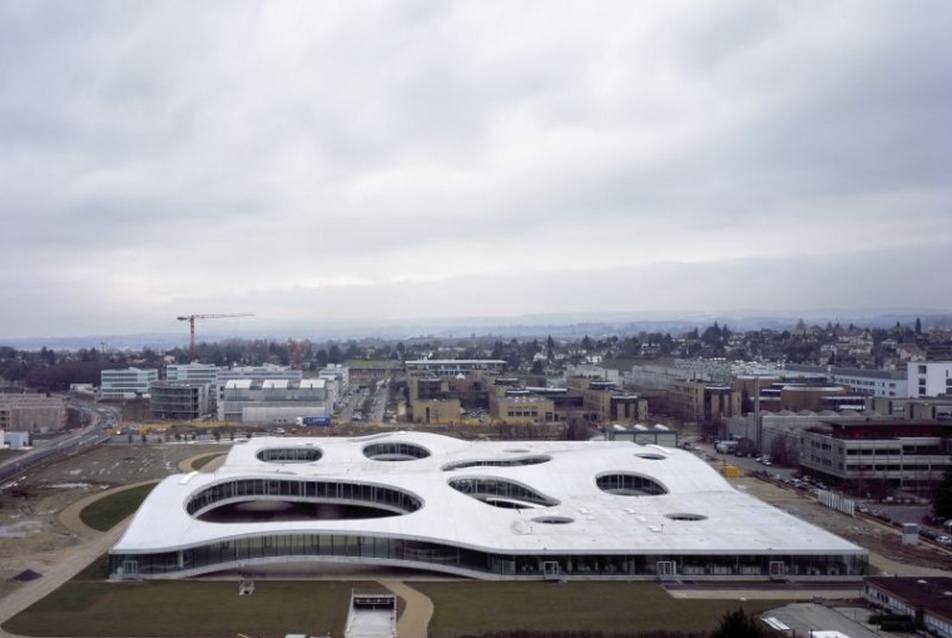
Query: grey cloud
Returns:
{"type": "Point", "coordinates": [225, 145]}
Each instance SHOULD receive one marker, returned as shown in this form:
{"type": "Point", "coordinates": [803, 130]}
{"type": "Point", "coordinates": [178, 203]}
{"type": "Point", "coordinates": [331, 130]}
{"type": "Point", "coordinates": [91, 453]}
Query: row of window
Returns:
{"type": "Point", "coordinates": [309, 490]}
{"type": "Point", "coordinates": [534, 412]}
{"type": "Point", "coordinates": [374, 550]}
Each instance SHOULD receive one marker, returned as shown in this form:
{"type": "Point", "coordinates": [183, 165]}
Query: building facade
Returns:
{"type": "Point", "coordinates": [130, 383]}
{"type": "Point", "coordinates": [703, 401]}
{"type": "Point", "coordinates": [33, 413]}
{"type": "Point", "coordinates": [181, 400]}
{"type": "Point", "coordinates": [927, 602]}
{"type": "Point", "coordinates": [929, 378]}
{"type": "Point", "coordinates": [905, 455]}
{"type": "Point", "coordinates": [193, 372]}
{"type": "Point", "coordinates": [273, 401]}
{"type": "Point", "coordinates": [867, 382]}
{"type": "Point", "coordinates": [455, 367]}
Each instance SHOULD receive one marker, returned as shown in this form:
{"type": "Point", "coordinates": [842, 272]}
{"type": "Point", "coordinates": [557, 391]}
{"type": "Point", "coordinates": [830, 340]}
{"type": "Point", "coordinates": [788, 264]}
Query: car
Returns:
{"type": "Point", "coordinates": [944, 539]}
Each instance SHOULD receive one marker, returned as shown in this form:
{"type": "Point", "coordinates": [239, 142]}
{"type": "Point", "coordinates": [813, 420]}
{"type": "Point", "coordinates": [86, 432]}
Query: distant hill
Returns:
{"type": "Point", "coordinates": [566, 325]}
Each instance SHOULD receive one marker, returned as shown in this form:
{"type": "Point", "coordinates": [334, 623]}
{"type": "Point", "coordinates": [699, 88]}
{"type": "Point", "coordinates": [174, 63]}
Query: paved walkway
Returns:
{"type": "Point", "coordinates": [187, 465]}
{"type": "Point", "coordinates": [417, 611]}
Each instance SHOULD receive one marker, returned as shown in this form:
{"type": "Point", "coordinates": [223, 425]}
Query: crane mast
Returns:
{"type": "Point", "coordinates": [191, 326]}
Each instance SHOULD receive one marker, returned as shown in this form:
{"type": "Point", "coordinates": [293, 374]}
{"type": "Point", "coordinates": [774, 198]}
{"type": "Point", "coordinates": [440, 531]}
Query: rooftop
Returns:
{"type": "Point", "coordinates": [572, 496]}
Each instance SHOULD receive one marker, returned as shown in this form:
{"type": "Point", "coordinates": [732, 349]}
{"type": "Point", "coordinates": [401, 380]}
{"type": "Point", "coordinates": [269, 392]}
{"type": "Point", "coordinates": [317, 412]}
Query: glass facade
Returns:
{"type": "Point", "coordinates": [316, 491]}
{"type": "Point", "coordinates": [372, 550]}
{"type": "Point", "coordinates": [418, 554]}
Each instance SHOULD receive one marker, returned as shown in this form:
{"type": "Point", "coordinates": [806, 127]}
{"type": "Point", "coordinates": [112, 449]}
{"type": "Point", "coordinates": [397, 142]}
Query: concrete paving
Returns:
{"type": "Point", "coordinates": [417, 612]}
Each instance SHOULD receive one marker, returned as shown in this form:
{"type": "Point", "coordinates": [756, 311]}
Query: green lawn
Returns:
{"type": "Point", "coordinates": [169, 608]}
{"type": "Point", "coordinates": [103, 514]}
{"type": "Point", "coordinates": [197, 609]}
{"type": "Point", "coordinates": [477, 607]}
{"type": "Point", "coordinates": [372, 363]}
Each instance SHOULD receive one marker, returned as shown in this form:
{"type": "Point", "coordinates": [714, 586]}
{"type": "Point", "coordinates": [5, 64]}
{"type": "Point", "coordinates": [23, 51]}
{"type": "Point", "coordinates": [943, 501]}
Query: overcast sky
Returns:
{"type": "Point", "coordinates": [314, 161]}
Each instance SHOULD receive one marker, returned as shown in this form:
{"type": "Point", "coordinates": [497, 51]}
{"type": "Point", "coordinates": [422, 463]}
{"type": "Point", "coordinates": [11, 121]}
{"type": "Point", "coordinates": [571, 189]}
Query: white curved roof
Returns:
{"type": "Point", "coordinates": [733, 522]}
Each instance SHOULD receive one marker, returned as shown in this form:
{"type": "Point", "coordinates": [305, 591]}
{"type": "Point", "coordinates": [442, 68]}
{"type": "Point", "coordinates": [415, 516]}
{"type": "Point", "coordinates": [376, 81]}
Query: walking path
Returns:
{"type": "Point", "coordinates": [417, 611]}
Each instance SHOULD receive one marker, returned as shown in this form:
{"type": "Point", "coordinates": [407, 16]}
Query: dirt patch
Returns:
{"type": "Point", "coordinates": [31, 531]}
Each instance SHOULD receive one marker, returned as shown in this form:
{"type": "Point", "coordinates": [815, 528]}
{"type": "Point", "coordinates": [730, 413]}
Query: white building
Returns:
{"type": "Point", "coordinates": [274, 401]}
{"type": "Point", "coordinates": [267, 372]}
{"type": "Point", "coordinates": [126, 384]}
{"type": "Point", "coordinates": [929, 378]}
{"type": "Point", "coordinates": [193, 373]}
{"type": "Point", "coordinates": [455, 367]}
{"type": "Point", "coordinates": [872, 383]}
{"type": "Point", "coordinates": [15, 440]}
{"type": "Point", "coordinates": [492, 510]}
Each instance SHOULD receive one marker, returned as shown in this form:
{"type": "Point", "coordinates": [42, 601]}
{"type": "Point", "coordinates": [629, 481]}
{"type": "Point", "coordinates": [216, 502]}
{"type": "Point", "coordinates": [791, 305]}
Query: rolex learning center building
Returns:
{"type": "Point", "coordinates": [525, 510]}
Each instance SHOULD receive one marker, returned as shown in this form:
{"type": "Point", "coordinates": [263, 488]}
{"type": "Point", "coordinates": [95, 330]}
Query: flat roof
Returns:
{"type": "Point", "coordinates": [700, 513]}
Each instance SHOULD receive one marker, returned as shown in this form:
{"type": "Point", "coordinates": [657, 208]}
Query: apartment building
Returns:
{"type": "Point", "coordinates": [929, 378]}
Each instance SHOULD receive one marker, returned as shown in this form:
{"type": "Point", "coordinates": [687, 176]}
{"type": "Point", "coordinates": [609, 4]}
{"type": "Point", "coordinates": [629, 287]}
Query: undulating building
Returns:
{"type": "Point", "coordinates": [495, 510]}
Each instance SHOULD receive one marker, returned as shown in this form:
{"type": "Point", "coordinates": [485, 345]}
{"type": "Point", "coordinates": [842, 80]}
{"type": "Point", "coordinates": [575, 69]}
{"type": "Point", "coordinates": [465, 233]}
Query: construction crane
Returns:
{"type": "Point", "coordinates": [191, 325]}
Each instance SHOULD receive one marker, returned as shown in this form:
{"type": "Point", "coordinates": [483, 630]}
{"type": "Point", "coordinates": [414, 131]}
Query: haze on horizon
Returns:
{"type": "Point", "coordinates": [341, 161]}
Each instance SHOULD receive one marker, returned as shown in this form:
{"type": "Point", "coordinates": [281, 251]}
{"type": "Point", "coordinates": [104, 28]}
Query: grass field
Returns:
{"type": "Point", "coordinates": [372, 363]}
{"type": "Point", "coordinates": [165, 608]}
{"type": "Point", "coordinates": [478, 607]}
{"type": "Point", "coordinates": [103, 514]}
{"type": "Point", "coordinates": [197, 609]}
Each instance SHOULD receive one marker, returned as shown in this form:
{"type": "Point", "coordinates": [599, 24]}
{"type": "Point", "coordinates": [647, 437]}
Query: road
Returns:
{"type": "Point", "coordinates": [101, 418]}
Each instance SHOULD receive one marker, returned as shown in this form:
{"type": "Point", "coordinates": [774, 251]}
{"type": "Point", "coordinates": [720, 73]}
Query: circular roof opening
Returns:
{"type": "Point", "coordinates": [507, 462]}
{"type": "Point", "coordinates": [501, 493]}
{"type": "Point", "coordinates": [651, 456]}
{"type": "Point", "coordinates": [395, 451]}
{"type": "Point", "coordinates": [289, 454]}
{"type": "Point", "coordinates": [684, 516]}
{"type": "Point", "coordinates": [629, 484]}
{"type": "Point", "coordinates": [553, 520]}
